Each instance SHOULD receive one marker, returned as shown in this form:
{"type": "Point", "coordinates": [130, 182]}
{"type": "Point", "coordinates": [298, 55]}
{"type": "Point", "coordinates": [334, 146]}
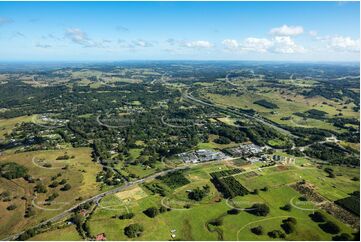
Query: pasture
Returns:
{"type": "Point", "coordinates": [80, 173]}
{"type": "Point", "coordinates": [190, 219]}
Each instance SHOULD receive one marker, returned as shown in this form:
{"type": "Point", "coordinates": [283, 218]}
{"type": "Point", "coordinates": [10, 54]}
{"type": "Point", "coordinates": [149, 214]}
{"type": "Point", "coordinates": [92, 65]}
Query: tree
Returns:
{"type": "Point", "coordinates": [66, 187]}
{"type": "Point", "coordinates": [233, 211]}
{"type": "Point", "coordinates": [288, 226]}
{"type": "Point", "coordinates": [198, 194]}
{"type": "Point", "coordinates": [259, 209]}
{"type": "Point", "coordinates": [287, 207]}
{"type": "Point", "coordinates": [317, 217]}
{"type": "Point", "coordinates": [12, 170]}
{"type": "Point", "coordinates": [77, 219]}
{"type": "Point", "coordinates": [342, 237]}
{"type": "Point", "coordinates": [126, 216]}
{"type": "Point", "coordinates": [151, 212]}
{"type": "Point", "coordinates": [276, 234]}
{"type": "Point", "coordinates": [133, 230]}
{"type": "Point", "coordinates": [257, 230]}
{"type": "Point", "coordinates": [216, 222]}
{"type": "Point", "coordinates": [330, 227]}
{"type": "Point", "coordinates": [40, 188]}
{"type": "Point", "coordinates": [54, 184]}
{"type": "Point", "coordinates": [11, 207]}
{"type": "Point", "coordinates": [222, 140]}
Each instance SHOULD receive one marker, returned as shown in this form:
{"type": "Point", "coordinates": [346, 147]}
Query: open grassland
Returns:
{"type": "Point", "coordinates": [330, 188]}
{"type": "Point", "coordinates": [288, 104]}
{"type": "Point", "coordinates": [68, 233]}
{"type": "Point", "coordinates": [80, 174]}
{"type": "Point", "coordinates": [213, 145]}
{"type": "Point", "coordinates": [6, 125]}
{"type": "Point", "coordinates": [192, 223]}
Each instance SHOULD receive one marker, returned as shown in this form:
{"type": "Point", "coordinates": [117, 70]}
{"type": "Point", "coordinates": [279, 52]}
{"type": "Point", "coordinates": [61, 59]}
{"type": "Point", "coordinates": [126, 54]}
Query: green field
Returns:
{"type": "Point", "coordinates": [288, 104]}
{"type": "Point", "coordinates": [67, 234]}
{"type": "Point", "coordinates": [6, 125]}
{"type": "Point", "coordinates": [80, 174]}
{"type": "Point", "coordinates": [190, 223]}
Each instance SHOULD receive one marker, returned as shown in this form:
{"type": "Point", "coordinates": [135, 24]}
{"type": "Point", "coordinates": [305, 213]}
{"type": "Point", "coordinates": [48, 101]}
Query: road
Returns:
{"type": "Point", "coordinates": [97, 198]}
{"type": "Point", "coordinates": [229, 82]}
{"type": "Point", "coordinates": [189, 96]}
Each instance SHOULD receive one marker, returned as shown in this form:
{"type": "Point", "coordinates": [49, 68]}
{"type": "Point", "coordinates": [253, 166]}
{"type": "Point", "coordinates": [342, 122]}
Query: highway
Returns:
{"type": "Point", "coordinates": [189, 96]}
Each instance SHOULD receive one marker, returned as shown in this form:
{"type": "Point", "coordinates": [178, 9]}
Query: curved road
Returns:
{"type": "Point", "coordinates": [96, 198]}
{"type": "Point", "coordinates": [189, 96]}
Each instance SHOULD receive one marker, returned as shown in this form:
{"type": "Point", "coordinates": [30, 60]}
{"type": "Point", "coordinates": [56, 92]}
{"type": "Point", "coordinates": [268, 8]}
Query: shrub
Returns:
{"type": "Point", "coordinates": [126, 216]}
{"type": "Point", "coordinates": [12, 170]}
{"type": "Point", "coordinates": [151, 212]}
{"type": "Point", "coordinates": [288, 227]}
{"type": "Point", "coordinates": [290, 220]}
{"type": "Point", "coordinates": [342, 237]}
{"type": "Point", "coordinates": [54, 184]}
{"type": "Point", "coordinates": [318, 217]}
{"type": "Point", "coordinates": [40, 188]}
{"type": "Point", "coordinates": [233, 211]}
{"type": "Point", "coordinates": [259, 209]}
{"type": "Point", "coordinates": [11, 207]}
{"type": "Point", "coordinates": [330, 227]}
{"type": "Point", "coordinates": [287, 207]}
{"type": "Point", "coordinates": [197, 194]}
{"type": "Point", "coordinates": [133, 230]}
{"type": "Point", "coordinates": [257, 230]}
{"type": "Point", "coordinates": [302, 198]}
{"type": "Point", "coordinates": [216, 222]}
{"type": "Point", "coordinates": [66, 187]}
{"type": "Point", "coordinates": [276, 234]}
{"type": "Point", "coordinates": [265, 189]}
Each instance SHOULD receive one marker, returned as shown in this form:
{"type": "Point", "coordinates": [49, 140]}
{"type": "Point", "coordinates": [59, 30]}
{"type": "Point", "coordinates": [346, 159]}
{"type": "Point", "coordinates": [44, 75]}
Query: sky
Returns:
{"type": "Point", "coordinates": [114, 31]}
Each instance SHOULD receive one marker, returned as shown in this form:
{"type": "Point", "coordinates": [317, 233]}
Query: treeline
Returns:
{"type": "Point", "coordinates": [266, 104]}
{"type": "Point", "coordinates": [332, 153]}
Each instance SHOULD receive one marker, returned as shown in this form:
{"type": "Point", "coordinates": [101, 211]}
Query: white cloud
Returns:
{"type": "Point", "coordinates": [141, 43]}
{"type": "Point", "coordinates": [198, 44]}
{"type": "Point", "coordinates": [79, 37]}
{"type": "Point", "coordinates": [230, 44]}
{"type": "Point", "coordinates": [341, 43]}
{"type": "Point", "coordinates": [256, 44]}
{"type": "Point", "coordinates": [4, 20]}
{"type": "Point", "coordinates": [278, 44]}
{"type": "Point", "coordinates": [286, 30]}
{"type": "Point", "coordinates": [286, 45]}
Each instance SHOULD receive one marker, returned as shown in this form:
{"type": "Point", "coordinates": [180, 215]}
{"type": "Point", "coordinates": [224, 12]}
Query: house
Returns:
{"type": "Point", "coordinates": [100, 237]}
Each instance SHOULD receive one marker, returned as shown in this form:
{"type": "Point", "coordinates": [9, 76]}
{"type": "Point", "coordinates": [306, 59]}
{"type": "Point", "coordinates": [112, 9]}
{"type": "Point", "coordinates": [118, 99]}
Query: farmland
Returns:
{"type": "Point", "coordinates": [208, 151]}
{"type": "Point", "coordinates": [235, 227]}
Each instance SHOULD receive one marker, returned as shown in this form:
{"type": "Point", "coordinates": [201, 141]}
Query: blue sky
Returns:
{"type": "Point", "coordinates": [107, 31]}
